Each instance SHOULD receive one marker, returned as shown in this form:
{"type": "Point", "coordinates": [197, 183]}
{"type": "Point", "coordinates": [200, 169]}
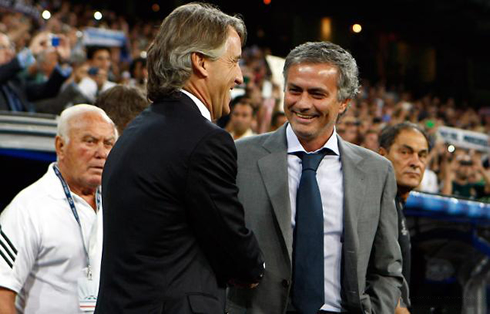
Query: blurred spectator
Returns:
{"type": "Point", "coordinates": [17, 94]}
{"type": "Point", "coordinates": [139, 74]}
{"type": "Point", "coordinates": [370, 140]}
{"type": "Point", "coordinates": [278, 119]}
{"type": "Point", "coordinates": [97, 81]}
{"type": "Point", "coordinates": [49, 228]}
{"type": "Point", "coordinates": [348, 129]}
{"type": "Point", "coordinates": [464, 175]}
{"type": "Point", "coordinates": [122, 104]}
{"type": "Point", "coordinates": [242, 116]}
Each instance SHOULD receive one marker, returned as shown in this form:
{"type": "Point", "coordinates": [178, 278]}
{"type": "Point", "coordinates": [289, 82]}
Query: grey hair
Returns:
{"type": "Point", "coordinates": [190, 28]}
{"type": "Point", "coordinates": [327, 52]}
{"type": "Point", "coordinates": [68, 114]}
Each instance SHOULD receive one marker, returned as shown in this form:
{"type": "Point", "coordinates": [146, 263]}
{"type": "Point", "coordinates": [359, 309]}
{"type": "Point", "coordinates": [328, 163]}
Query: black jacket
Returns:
{"type": "Point", "coordinates": [174, 230]}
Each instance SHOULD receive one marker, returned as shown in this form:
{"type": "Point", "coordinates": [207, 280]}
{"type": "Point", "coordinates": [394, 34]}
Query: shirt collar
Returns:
{"type": "Point", "coordinates": [295, 146]}
{"type": "Point", "coordinates": [202, 108]}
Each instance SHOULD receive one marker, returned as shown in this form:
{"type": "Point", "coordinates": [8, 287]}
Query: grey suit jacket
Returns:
{"type": "Point", "coordinates": [371, 258]}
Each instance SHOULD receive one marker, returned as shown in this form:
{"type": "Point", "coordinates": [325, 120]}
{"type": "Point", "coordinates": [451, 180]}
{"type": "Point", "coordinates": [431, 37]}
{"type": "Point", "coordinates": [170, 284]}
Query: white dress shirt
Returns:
{"type": "Point", "coordinates": [330, 182]}
{"type": "Point", "coordinates": [204, 110]}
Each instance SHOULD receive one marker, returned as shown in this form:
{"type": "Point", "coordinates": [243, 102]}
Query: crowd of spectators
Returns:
{"type": "Point", "coordinates": [90, 70]}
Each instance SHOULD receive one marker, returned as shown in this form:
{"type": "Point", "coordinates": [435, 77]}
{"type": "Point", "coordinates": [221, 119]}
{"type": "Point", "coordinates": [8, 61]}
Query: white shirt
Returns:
{"type": "Point", "coordinates": [202, 108]}
{"type": "Point", "coordinates": [330, 182]}
{"type": "Point", "coordinates": [46, 251]}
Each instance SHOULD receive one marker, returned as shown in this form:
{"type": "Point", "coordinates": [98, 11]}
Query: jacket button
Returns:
{"type": "Point", "coordinates": [285, 283]}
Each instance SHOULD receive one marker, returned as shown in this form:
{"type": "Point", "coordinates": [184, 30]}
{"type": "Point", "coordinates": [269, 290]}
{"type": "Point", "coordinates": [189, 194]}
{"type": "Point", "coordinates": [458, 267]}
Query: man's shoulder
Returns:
{"type": "Point", "coordinates": [366, 155]}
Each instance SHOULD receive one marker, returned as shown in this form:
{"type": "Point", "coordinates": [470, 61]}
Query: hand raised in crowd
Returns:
{"type": "Point", "coordinates": [63, 49]}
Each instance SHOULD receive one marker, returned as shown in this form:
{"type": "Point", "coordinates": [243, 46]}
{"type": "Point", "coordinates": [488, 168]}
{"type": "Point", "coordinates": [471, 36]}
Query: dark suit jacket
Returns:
{"type": "Point", "coordinates": [174, 230]}
{"type": "Point", "coordinates": [371, 259]}
{"type": "Point", "coordinates": [27, 92]}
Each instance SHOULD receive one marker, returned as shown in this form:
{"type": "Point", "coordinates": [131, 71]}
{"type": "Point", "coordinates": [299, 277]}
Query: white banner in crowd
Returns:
{"type": "Point", "coordinates": [103, 37]}
{"type": "Point", "coordinates": [464, 139]}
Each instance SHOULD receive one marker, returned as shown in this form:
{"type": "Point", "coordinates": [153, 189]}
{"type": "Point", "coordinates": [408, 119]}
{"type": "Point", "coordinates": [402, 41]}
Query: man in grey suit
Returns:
{"type": "Point", "coordinates": [348, 259]}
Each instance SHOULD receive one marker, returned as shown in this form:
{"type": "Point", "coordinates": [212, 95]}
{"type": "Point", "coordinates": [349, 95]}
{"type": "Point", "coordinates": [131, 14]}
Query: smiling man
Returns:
{"type": "Point", "coordinates": [46, 232]}
{"type": "Point", "coordinates": [323, 209]}
{"type": "Point", "coordinates": [174, 231]}
{"type": "Point", "coordinates": [406, 145]}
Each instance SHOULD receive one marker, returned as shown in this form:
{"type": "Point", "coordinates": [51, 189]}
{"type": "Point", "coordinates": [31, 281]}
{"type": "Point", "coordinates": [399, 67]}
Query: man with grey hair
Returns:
{"type": "Point", "coordinates": [322, 209]}
{"type": "Point", "coordinates": [47, 232]}
{"type": "Point", "coordinates": [174, 231]}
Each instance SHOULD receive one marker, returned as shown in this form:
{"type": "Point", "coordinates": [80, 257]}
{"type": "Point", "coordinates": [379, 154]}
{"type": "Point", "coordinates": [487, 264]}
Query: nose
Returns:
{"type": "Point", "coordinates": [303, 102]}
{"type": "Point", "coordinates": [239, 76]}
{"type": "Point", "coordinates": [415, 161]}
{"type": "Point", "coordinates": [102, 151]}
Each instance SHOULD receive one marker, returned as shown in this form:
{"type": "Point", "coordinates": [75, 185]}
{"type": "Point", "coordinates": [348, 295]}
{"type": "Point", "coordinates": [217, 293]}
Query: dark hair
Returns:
{"type": "Point", "coordinates": [122, 104]}
{"type": "Point", "coordinates": [244, 101]}
{"type": "Point", "coordinates": [134, 63]}
{"type": "Point", "coordinates": [91, 50]}
{"type": "Point", "coordinates": [389, 134]}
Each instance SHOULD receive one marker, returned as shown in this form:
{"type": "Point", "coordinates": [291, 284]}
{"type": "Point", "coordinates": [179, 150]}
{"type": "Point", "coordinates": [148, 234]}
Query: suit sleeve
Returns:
{"type": "Point", "coordinates": [385, 278]}
{"type": "Point", "coordinates": [215, 213]}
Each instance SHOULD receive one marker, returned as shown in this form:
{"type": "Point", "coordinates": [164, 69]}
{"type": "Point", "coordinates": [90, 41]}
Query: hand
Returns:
{"type": "Point", "coordinates": [39, 43]}
{"type": "Point", "coordinates": [63, 49]}
{"type": "Point", "coordinates": [401, 310]}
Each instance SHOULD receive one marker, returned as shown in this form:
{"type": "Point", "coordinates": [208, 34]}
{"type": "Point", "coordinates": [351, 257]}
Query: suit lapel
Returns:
{"type": "Point", "coordinates": [354, 189]}
{"type": "Point", "coordinates": [274, 171]}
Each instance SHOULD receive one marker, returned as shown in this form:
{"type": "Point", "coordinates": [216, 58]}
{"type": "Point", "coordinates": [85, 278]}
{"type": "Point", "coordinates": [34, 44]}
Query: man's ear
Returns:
{"type": "Point", "coordinates": [199, 64]}
{"type": "Point", "coordinates": [59, 145]}
{"type": "Point", "coordinates": [382, 151]}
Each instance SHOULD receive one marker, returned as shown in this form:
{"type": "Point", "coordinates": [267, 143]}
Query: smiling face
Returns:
{"type": "Point", "coordinates": [408, 154]}
{"type": "Point", "coordinates": [224, 75]}
{"type": "Point", "coordinates": [81, 159]}
{"type": "Point", "coordinates": [310, 102]}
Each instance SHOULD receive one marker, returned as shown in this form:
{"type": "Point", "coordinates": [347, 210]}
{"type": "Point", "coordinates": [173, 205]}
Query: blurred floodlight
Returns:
{"type": "Point", "coordinates": [267, 2]}
{"type": "Point", "coordinates": [451, 148]}
{"type": "Point", "coordinates": [46, 15]}
{"type": "Point", "coordinates": [326, 29]}
{"type": "Point", "coordinates": [98, 15]}
{"type": "Point", "coordinates": [155, 7]}
{"type": "Point", "coordinates": [356, 28]}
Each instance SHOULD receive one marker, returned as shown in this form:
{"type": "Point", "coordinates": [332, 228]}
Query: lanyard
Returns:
{"type": "Point", "coordinates": [69, 198]}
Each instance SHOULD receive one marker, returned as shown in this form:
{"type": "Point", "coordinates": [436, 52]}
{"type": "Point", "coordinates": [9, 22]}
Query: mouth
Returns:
{"type": "Point", "coordinates": [303, 116]}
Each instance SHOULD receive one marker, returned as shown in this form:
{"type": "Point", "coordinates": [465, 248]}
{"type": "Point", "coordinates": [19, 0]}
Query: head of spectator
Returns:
{"type": "Point", "coordinates": [370, 140]}
{"type": "Point", "coordinates": [349, 126]}
{"type": "Point", "coordinates": [99, 57]}
{"type": "Point", "coordinates": [241, 119]}
{"type": "Point", "coordinates": [138, 71]}
{"type": "Point", "coordinates": [84, 138]}
{"type": "Point", "coordinates": [320, 80]}
{"type": "Point", "coordinates": [277, 120]}
{"type": "Point", "coordinates": [406, 145]}
{"type": "Point", "coordinates": [7, 51]}
{"type": "Point", "coordinates": [197, 48]}
{"type": "Point", "coordinates": [47, 61]}
{"type": "Point", "coordinates": [464, 168]}
{"type": "Point", "coordinates": [122, 104]}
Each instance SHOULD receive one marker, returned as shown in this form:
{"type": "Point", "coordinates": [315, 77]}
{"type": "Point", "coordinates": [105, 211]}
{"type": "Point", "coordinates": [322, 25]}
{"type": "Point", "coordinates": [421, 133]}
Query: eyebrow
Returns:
{"type": "Point", "coordinates": [411, 148]}
{"type": "Point", "coordinates": [310, 90]}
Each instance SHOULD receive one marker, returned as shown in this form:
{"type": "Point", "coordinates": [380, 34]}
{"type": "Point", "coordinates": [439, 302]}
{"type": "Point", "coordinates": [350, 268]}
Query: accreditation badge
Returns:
{"type": "Point", "coordinates": [87, 292]}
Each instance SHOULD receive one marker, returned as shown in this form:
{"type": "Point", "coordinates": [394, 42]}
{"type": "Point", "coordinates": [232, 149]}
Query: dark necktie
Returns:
{"type": "Point", "coordinates": [308, 261]}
